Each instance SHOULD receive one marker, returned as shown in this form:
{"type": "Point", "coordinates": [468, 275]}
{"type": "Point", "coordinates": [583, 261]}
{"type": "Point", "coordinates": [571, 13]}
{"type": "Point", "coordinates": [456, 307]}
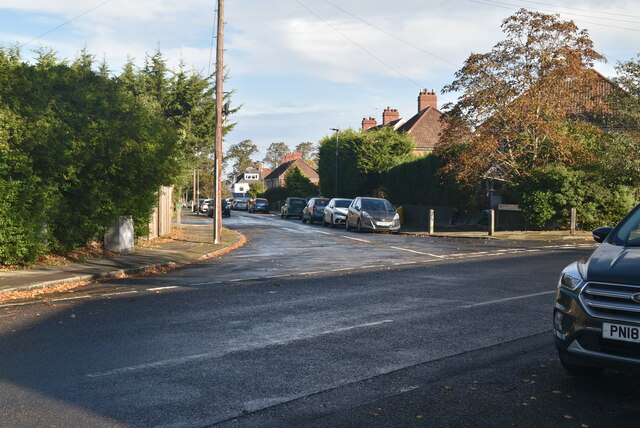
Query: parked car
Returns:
{"type": "Point", "coordinates": [373, 214]}
{"type": "Point", "coordinates": [204, 206]}
{"type": "Point", "coordinates": [336, 212]}
{"type": "Point", "coordinates": [241, 204]}
{"type": "Point", "coordinates": [226, 211]}
{"type": "Point", "coordinates": [259, 205]}
{"type": "Point", "coordinates": [314, 210]}
{"type": "Point", "coordinates": [596, 317]}
{"type": "Point", "coordinates": [292, 207]}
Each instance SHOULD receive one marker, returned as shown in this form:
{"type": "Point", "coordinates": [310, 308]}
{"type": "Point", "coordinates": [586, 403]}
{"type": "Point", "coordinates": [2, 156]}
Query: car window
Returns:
{"type": "Point", "coordinates": [297, 203]}
{"type": "Point", "coordinates": [343, 203]}
{"type": "Point", "coordinates": [322, 202]}
{"type": "Point", "coordinates": [628, 233]}
{"type": "Point", "coordinates": [377, 205]}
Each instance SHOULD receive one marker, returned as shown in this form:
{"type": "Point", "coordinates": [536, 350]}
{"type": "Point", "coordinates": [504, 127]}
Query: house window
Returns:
{"type": "Point", "coordinates": [251, 176]}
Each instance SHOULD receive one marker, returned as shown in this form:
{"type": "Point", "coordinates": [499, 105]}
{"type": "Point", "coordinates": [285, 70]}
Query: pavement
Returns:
{"type": "Point", "coordinates": [193, 243]}
{"type": "Point", "coordinates": [196, 243]}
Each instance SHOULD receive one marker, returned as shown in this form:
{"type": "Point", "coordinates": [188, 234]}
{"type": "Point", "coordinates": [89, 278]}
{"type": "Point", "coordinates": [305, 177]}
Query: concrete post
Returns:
{"type": "Point", "coordinates": [572, 227]}
{"type": "Point", "coordinates": [432, 221]}
{"type": "Point", "coordinates": [492, 222]}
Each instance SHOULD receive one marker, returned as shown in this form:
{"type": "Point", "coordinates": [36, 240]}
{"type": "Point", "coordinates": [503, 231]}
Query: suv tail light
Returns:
{"type": "Point", "coordinates": [314, 208]}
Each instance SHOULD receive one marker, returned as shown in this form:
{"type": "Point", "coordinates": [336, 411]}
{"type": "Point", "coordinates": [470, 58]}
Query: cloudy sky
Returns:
{"type": "Point", "coordinates": [301, 67]}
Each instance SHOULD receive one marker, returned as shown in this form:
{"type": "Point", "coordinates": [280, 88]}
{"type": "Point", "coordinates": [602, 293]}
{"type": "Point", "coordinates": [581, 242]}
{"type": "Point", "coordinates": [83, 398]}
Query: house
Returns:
{"type": "Point", "coordinates": [251, 175]}
{"type": "Point", "coordinates": [424, 127]}
{"type": "Point", "coordinates": [276, 177]}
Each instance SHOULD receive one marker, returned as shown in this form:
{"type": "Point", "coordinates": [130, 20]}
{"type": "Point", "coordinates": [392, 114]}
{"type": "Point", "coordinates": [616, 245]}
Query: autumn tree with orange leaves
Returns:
{"type": "Point", "coordinates": [523, 104]}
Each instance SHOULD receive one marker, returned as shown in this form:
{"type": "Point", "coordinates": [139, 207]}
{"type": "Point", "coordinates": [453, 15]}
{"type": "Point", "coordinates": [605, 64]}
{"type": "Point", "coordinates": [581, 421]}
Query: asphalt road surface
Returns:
{"type": "Point", "coordinates": [311, 326]}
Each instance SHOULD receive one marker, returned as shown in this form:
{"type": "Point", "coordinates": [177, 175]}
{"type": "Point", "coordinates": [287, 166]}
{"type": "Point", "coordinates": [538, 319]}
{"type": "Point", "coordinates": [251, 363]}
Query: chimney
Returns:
{"type": "Point", "coordinates": [260, 166]}
{"type": "Point", "coordinates": [426, 99]}
{"type": "Point", "coordinates": [389, 114]}
{"type": "Point", "coordinates": [368, 123]}
{"type": "Point", "coordinates": [292, 156]}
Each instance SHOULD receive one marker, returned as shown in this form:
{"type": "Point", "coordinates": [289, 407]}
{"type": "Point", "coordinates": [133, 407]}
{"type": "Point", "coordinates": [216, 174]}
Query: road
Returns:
{"type": "Point", "coordinates": [311, 326]}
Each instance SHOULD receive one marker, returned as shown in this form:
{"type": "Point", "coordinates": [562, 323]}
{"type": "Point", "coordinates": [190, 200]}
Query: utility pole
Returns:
{"type": "Point", "coordinates": [335, 194]}
{"type": "Point", "coordinates": [217, 211]}
{"type": "Point", "coordinates": [193, 194]}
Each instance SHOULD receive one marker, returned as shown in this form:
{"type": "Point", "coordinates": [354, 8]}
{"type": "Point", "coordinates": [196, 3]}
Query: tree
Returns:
{"type": "Point", "coordinates": [363, 158]}
{"type": "Point", "coordinates": [275, 153]}
{"type": "Point", "coordinates": [299, 184]}
{"type": "Point", "coordinates": [309, 153]}
{"type": "Point", "coordinates": [517, 100]}
{"type": "Point", "coordinates": [241, 154]}
{"type": "Point", "coordinates": [257, 189]}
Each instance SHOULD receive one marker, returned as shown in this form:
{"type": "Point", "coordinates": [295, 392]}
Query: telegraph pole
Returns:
{"type": "Point", "coordinates": [217, 212]}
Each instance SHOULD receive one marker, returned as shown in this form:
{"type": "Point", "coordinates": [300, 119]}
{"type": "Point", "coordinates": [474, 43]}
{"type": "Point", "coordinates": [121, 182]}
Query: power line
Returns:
{"type": "Point", "coordinates": [517, 7]}
{"type": "Point", "coordinates": [392, 35]}
{"type": "Point", "coordinates": [571, 13]}
{"type": "Point", "coordinates": [213, 36]}
{"type": "Point", "coordinates": [65, 23]}
{"type": "Point", "coordinates": [358, 45]}
{"type": "Point", "coordinates": [583, 10]}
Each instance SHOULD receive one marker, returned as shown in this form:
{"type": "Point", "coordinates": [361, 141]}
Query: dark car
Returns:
{"type": "Point", "coordinates": [226, 210]}
{"type": "Point", "coordinates": [314, 211]}
{"type": "Point", "coordinates": [374, 214]}
{"type": "Point", "coordinates": [292, 207]}
{"type": "Point", "coordinates": [259, 205]}
{"type": "Point", "coordinates": [596, 318]}
{"type": "Point", "coordinates": [336, 212]}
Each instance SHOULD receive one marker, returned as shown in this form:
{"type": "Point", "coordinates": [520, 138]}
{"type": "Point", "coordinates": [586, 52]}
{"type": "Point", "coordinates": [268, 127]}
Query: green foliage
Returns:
{"type": "Point", "coordinates": [257, 189]}
{"type": "Point", "coordinates": [363, 159]}
{"type": "Point", "coordinates": [79, 148]}
{"type": "Point", "coordinates": [297, 183]}
{"type": "Point", "coordinates": [548, 195]}
{"type": "Point", "coordinates": [277, 194]}
{"type": "Point", "coordinates": [241, 153]}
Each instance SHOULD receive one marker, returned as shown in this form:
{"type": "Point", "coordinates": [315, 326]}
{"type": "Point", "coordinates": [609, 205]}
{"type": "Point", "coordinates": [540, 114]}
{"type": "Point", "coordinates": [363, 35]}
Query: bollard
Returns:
{"type": "Point", "coordinates": [572, 227]}
{"type": "Point", "coordinates": [432, 221]}
{"type": "Point", "coordinates": [492, 222]}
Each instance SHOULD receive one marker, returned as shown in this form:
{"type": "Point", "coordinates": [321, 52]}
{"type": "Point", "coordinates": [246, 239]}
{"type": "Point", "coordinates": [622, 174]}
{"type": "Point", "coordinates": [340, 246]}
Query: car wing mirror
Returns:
{"type": "Point", "coordinates": [601, 233]}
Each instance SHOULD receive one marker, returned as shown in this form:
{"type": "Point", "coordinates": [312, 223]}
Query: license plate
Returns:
{"type": "Point", "coordinates": [384, 223]}
{"type": "Point", "coordinates": [627, 333]}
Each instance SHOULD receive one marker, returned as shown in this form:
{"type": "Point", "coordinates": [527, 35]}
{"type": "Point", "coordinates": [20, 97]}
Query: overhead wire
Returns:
{"type": "Point", "coordinates": [392, 35]}
{"type": "Point", "coordinates": [371, 54]}
{"type": "Point", "coordinates": [65, 23]}
{"type": "Point", "coordinates": [582, 10]}
{"type": "Point", "coordinates": [511, 6]}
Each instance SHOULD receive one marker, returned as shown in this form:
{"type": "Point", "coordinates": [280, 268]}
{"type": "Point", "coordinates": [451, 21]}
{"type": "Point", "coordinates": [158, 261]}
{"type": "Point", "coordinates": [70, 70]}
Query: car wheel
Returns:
{"type": "Point", "coordinates": [581, 371]}
{"type": "Point", "coordinates": [304, 220]}
{"type": "Point", "coordinates": [333, 223]}
{"type": "Point", "coordinates": [324, 223]}
{"type": "Point", "coordinates": [359, 226]}
{"type": "Point", "coordinates": [310, 220]}
{"type": "Point", "coordinates": [286, 216]}
{"type": "Point", "coordinates": [346, 225]}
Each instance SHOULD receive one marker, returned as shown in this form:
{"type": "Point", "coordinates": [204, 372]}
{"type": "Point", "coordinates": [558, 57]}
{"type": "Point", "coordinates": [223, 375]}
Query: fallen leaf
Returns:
{"type": "Point", "coordinates": [375, 414]}
{"type": "Point", "coordinates": [419, 416]}
{"type": "Point", "coordinates": [568, 417]}
{"type": "Point", "coordinates": [555, 391]}
{"type": "Point", "coordinates": [448, 388]}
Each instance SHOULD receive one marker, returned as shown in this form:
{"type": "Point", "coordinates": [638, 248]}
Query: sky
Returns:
{"type": "Point", "coordinates": [298, 68]}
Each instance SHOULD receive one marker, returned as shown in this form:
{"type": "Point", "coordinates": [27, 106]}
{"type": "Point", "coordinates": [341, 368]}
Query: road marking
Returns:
{"type": "Point", "coordinates": [490, 302]}
{"type": "Point", "coordinates": [418, 252]}
{"type": "Point", "coordinates": [341, 269]}
{"type": "Point", "coordinates": [325, 233]}
{"type": "Point", "coordinates": [217, 354]}
{"type": "Point", "coordinates": [311, 273]}
{"type": "Point", "coordinates": [357, 239]}
{"type": "Point", "coordinates": [163, 288]}
{"type": "Point", "coordinates": [71, 298]}
{"type": "Point", "coordinates": [116, 294]}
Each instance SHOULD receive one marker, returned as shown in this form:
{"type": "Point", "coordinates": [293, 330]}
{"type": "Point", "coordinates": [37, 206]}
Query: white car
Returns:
{"type": "Point", "coordinates": [336, 212]}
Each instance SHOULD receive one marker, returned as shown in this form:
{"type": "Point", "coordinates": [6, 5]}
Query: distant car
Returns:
{"type": "Point", "coordinates": [373, 214]}
{"type": "Point", "coordinates": [314, 211]}
{"type": "Point", "coordinates": [204, 206]}
{"type": "Point", "coordinates": [259, 205]}
{"type": "Point", "coordinates": [226, 212]}
{"type": "Point", "coordinates": [596, 317]}
{"type": "Point", "coordinates": [336, 212]}
{"type": "Point", "coordinates": [241, 204]}
{"type": "Point", "coordinates": [292, 207]}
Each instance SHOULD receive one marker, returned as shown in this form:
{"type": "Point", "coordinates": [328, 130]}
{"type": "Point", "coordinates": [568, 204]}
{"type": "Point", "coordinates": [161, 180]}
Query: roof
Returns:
{"type": "Point", "coordinates": [425, 128]}
{"type": "Point", "coordinates": [284, 167]}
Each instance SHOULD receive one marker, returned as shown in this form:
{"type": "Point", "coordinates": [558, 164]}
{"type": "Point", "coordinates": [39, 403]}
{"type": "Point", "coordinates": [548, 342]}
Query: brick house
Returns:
{"type": "Point", "coordinates": [424, 127]}
{"type": "Point", "coordinates": [276, 177]}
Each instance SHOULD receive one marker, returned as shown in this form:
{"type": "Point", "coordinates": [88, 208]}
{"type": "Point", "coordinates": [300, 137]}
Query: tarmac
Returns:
{"type": "Point", "coordinates": [195, 243]}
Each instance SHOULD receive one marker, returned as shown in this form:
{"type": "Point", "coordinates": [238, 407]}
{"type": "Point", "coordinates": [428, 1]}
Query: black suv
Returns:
{"type": "Point", "coordinates": [597, 311]}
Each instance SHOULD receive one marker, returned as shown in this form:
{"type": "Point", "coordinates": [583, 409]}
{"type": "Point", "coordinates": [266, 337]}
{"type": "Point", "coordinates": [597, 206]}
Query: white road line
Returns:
{"type": "Point", "coordinates": [116, 294]}
{"type": "Point", "coordinates": [325, 233]}
{"type": "Point", "coordinates": [163, 288]}
{"type": "Point", "coordinates": [216, 354]}
{"type": "Point", "coordinates": [71, 298]}
{"type": "Point", "coordinates": [490, 302]}
{"type": "Point", "coordinates": [357, 239]}
{"type": "Point", "coordinates": [341, 269]}
{"type": "Point", "coordinates": [311, 273]}
{"type": "Point", "coordinates": [207, 283]}
{"type": "Point", "coordinates": [418, 252]}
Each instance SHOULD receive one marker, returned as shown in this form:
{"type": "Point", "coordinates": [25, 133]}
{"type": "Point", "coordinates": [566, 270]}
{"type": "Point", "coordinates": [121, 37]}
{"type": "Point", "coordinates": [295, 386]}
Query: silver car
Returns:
{"type": "Point", "coordinates": [336, 212]}
{"type": "Point", "coordinates": [374, 214]}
